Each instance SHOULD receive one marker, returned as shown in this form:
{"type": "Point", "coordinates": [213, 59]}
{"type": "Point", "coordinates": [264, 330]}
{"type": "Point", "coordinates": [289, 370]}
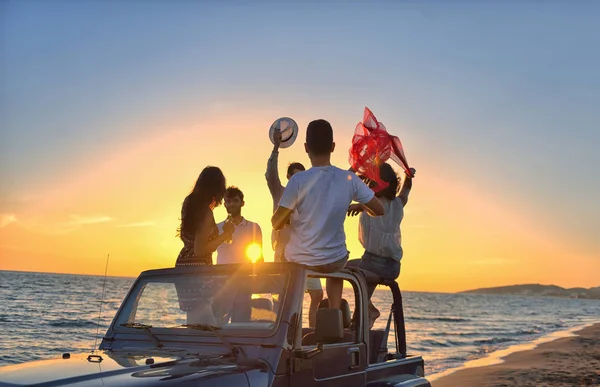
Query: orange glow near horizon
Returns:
{"type": "Point", "coordinates": [455, 235]}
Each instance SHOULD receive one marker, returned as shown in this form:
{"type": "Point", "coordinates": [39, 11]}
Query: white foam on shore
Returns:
{"type": "Point", "coordinates": [497, 357]}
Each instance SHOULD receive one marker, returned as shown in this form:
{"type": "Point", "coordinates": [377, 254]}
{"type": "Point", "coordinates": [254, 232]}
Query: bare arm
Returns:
{"type": "Point", "coordinates": [281, 217]}
{"type": "Point", "coordinates": [272, 174]}
{"type": "Point", "coordinates": [366, 197]}
{"type": "Point", "coordinates": [202, 245]}
{"type": "Point", "coordinates": [406, 187]}
{"type": "Point", "coordinates": [374, 207]}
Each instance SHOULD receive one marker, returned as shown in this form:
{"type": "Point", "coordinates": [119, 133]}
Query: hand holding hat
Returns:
{"type": "Point", "coordinates": [287, 131]}
{"type": "Point", "coordinates": [277, 138]}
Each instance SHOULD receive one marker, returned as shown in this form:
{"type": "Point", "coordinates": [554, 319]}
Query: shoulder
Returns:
{"type": "Point", "coordinates": [302, 175]}
{"type": "Point", "coordinates": [253, 224]}
{"type": "Point", "coordinates": [343, 174]}
{"type": "Point", "coordinates": [395, 206]}
{"type": "Point", "coordinates": [397, 202]}
{"type": "Point", "coordinates": [294, 179]}
{"type": "Point", "coordinates": [300, 178]}
{"type": "Point", "coordinates": [353, 178]}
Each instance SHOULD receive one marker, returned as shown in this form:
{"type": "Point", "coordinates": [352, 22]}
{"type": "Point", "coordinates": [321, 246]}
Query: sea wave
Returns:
{"type": "Point", "coordinates": [50, 314]}
{"type": "Point", "coordinates": [495, 340]}
{"type": "Point", "coordinates": [65, 323]}
{"type": "Point", "coordinates": [441, 319]}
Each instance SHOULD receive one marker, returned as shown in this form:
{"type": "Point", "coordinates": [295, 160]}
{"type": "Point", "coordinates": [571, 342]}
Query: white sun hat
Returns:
{"type": "Point", "coordinates": [289, 131]}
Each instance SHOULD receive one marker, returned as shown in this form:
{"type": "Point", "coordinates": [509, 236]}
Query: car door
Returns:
{"type": "Point", "coordinates": [339, 364]}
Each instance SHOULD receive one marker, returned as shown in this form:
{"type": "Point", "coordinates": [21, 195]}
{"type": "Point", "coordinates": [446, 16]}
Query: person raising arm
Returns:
{"type": "Point", "coordinates": [315, 204]}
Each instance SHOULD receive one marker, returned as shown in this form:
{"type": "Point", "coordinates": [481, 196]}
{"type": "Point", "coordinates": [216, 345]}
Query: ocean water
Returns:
{"type": "Point", "coordinates": [43, 315]}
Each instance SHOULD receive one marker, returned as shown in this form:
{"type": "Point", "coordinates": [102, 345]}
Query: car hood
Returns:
{"type": "Point", "coordinates": [110, 368]}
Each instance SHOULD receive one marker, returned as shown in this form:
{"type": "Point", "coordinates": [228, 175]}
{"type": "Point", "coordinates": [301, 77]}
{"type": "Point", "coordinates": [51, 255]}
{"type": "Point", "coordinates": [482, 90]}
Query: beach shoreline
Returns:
{"type": "Point", "coordinates": [565, 358]}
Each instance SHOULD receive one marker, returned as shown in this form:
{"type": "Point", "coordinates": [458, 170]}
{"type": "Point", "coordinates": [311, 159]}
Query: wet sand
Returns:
{"type": "Point", "coordinates": [568, 361]}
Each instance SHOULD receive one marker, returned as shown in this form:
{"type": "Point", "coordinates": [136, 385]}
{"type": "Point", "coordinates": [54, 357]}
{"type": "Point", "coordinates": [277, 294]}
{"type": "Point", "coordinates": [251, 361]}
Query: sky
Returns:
{"type": "Point", "coordinates": [110, 110]}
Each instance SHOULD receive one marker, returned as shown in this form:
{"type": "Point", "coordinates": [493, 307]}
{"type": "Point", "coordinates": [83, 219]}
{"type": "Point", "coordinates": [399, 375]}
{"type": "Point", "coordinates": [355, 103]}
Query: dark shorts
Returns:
{"type": "Point", "coordinates": [385, 267]}
{"type": "Point", "coordinates": [328, 267]}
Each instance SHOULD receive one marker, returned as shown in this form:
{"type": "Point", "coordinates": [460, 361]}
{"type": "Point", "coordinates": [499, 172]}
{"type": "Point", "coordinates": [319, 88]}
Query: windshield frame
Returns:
{"type": "Point", "coordinates": [154, 276]}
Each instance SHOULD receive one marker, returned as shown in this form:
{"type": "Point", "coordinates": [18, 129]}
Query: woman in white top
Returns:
{"type": "Point", "coordinates": [380, 236]}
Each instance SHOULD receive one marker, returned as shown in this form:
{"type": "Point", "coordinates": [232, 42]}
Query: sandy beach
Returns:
{"type": "Point", "coordinates": [568, 361]}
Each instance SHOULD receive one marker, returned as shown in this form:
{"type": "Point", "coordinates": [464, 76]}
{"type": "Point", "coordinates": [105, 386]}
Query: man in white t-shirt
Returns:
{"type": "Point", "coordinates": [315, 202]}
{"type": "Point", "coordinates": [246, 240]}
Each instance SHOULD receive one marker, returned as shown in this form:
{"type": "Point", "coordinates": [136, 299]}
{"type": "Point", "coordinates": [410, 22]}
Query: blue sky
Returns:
{"type": "Point", "coordinates": [506, 95]}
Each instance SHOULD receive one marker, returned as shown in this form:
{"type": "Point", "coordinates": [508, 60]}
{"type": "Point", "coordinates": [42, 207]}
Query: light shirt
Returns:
{"type": "Point", "coordinates": [319, 199]}
{"type": "Point", "coordinates": [245, 234]}
{"type": "Point", "coordinates": [381, 235]}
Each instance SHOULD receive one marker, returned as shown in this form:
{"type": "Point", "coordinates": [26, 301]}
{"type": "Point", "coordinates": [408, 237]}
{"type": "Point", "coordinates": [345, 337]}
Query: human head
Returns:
{"type": "Point", "coordinates": [210, 186]}
{"type": "Point", "coordinates": [294, 168]}
{"type": "Point", "coordinates": [234, 201]}
{"type": "Point", "coordinates": [207, 194]}
{"type": "Point", "coordinates": [387, 174]}
{"type": "Point", "coordinates": [319, 138]}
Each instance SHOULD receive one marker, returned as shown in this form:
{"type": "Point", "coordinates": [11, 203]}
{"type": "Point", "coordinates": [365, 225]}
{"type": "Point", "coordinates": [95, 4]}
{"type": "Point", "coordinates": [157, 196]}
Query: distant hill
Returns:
{"type": "Point", "coordinates": [541, 291]}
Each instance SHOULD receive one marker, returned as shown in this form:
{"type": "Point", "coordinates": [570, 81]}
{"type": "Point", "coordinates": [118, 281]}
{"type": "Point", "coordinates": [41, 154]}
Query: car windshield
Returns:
{"type": "Point", "coordinates": [210, 300]}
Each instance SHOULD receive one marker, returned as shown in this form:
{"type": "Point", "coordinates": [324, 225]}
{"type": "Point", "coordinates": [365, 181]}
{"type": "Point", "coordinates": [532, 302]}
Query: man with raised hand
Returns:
{"type": "Point", "coordinates": [315, 202]}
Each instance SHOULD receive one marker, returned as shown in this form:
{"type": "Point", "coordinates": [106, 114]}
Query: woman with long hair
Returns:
{"type": "Point", "coordinates": [198, 229]}
{"type": "Point", "coordinates": [200, 237]}
{"type": "Point", "coordinates": [380, 236]}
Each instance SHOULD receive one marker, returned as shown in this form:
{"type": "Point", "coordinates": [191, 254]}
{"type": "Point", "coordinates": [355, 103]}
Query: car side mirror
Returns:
{"type": "Point", "coordinates": [329, 326]}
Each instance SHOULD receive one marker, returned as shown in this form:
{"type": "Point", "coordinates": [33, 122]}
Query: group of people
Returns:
{"type": "Point", "coordinates": [308, 219]}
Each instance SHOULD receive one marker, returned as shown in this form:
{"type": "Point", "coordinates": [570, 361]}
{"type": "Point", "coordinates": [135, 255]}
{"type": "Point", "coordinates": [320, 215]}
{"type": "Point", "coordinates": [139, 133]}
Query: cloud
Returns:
{"type": "Point", "coordinates": [137, 224]}
{"type": "Point", "coordinates": [6, 219]}
{"type": "Point", "coordinates": [53, 224]}
{"type": "Point", "coordinates": [80, 220]}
